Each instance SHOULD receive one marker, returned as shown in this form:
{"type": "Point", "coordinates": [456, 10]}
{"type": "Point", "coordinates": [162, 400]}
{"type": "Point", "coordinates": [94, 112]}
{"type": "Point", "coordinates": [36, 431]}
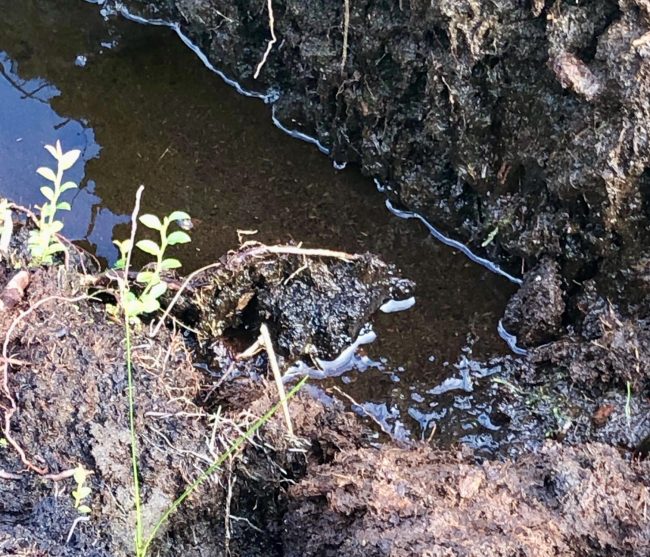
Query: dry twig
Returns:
{"type": "Point", "coordinates": [272, 41]}
{"type": "Point", "coordinates": [265, 337]}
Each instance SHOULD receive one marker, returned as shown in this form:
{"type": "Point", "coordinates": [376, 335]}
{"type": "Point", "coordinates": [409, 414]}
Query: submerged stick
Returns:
{"type": "Point", "coordinates": [273, 362]}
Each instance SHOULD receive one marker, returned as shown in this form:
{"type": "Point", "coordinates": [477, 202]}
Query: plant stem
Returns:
{"type": "Point", "coordinates": [134, 441]}
{"type": "Point", "coordinates": [124, 288]}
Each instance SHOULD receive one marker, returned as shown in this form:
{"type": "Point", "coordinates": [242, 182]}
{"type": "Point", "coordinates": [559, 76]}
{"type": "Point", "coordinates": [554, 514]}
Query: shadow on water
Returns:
{"type": "Point", "coordinates": [144, 110]}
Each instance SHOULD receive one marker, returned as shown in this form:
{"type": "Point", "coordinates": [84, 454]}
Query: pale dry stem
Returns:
{"type": "Point", "coordinates": [272, 41]}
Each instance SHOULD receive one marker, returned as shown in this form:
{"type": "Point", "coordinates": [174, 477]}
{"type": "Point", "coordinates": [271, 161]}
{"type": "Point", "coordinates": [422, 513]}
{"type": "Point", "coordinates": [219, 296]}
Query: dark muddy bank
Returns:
{"type": "Point", "coordinates": [64, 401]}
{"type": "Point", "coordinates": [519, 125]}
{"type": "Point", "coordinates": [332, 490]}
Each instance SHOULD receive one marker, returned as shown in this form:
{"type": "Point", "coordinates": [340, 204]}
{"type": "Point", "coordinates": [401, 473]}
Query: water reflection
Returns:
{"type": "Point", "coordinates": [28, 122]}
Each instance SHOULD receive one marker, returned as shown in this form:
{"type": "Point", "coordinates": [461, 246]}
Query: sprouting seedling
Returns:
{"type": "Point", "coordinates": [82, 491]}
{"type": "Point", "coordinates": [42, 242]}
{"type": "Point", "coordinates": [490, 237]}
{"type": "Point", "coordinates": [151, 278]}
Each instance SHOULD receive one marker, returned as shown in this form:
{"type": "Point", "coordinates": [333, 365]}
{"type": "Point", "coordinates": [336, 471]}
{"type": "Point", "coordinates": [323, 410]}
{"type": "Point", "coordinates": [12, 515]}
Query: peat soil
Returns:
{"type": "Point", "coordinates": [520, 126]}
{"type": "Point", "coordinates": [335, 488]}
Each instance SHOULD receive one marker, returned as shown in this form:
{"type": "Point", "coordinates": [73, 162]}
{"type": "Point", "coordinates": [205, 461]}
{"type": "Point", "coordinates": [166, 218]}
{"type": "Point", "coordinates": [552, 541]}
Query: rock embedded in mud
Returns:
{"type": "Point", "coordinates": [312, 305]}
{"type": "Point", "coordinates": [534, 314]}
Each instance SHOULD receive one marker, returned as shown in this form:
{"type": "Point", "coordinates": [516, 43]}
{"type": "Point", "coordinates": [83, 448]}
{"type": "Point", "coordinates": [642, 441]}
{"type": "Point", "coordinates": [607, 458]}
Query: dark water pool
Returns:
{"type": "Point", "coordinates": [144, 110]}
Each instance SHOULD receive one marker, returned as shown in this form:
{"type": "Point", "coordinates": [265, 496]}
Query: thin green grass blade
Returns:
{"type": "Point", "coordinates": [209, 471]}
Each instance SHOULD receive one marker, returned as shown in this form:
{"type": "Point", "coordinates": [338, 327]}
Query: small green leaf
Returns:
{"type": "Point", "coordinates": [80, 474]}
{"type": "Point", "coordinates": [47, 173]}
{"type": "Point", "coordinates": [145, 277]}
{"type": "Point", "coordinates": [158, 290]}
{"type": "Point", "coordinates": [124, 246]}
{"type": "Point", "coordinates": [56, 247]}
{"type": "Point", "coordinates": [178, 215]}
{"type": "Point", "coordinates": [119, 264]}
{"type": "Point", "coordinates": [82, 492]}
{"type": "Point", "coordinates": [52, 151]}
{"type": "Point", "coordinates": [149, 304]}
{"type": "Point", "coordinates": [170, 263]}
{"type": "Point", "coordinates": [48, 193]}
{"type": "Point", "coordinates": [148, 246]}
{"type": "Point", "coordinates": [178, 237]}
{"type": "Point", "coordinates": [68, 159]}
{"type": "Point", "coordinates": [84, 509]}
{"type": "Point", "coordinates": [68, 186]}
{"type": "Point", "coordinates": [132, 306]}
{"type": "Point", "coordinates": [56, 226]}
{"type": "Point", "coordinates": [151, 221]}
{"type": "Point", "coordinates": [63, 206]}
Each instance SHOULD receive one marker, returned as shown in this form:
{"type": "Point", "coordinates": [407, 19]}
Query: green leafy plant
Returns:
{"type": "Point", "coordinates": [43, 243]}
{"type": "Point", "coordinates": [82, 491]}
{"type": "Point", "coordinates": [132, 308]}
{"type": "Point", "coordinates": [151, 278]}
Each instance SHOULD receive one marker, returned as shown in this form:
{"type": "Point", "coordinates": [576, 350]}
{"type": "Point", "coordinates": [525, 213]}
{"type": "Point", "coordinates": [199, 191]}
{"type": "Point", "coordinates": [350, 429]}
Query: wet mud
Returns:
{"type": "Point", "coordinates": [143, 109]}
{"type": "Point", "coordinates": [334, 488]}
{"type": "Point", "coordinates": [521, 127]}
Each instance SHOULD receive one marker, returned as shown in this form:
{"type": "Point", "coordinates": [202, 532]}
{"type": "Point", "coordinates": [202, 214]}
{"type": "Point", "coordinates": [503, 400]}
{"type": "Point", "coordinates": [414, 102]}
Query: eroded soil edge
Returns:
{"type": "Point", "coordinates": [331, 490]}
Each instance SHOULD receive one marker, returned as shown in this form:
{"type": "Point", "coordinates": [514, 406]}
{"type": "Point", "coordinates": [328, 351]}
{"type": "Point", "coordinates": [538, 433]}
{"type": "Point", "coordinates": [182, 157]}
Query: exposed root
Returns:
{"type": "Point", "coordinates": [74, 525]}
{"type": "Point", "coordinates": [9, 476]}
{"type": "Point", "coordinates": [346, 32]}
{"type": "Point", "coordinates": [271, 42]}
{"type": "Point", "coordinates": [64, 475]}
{"type": "Point", "coordinates": [6, 359]}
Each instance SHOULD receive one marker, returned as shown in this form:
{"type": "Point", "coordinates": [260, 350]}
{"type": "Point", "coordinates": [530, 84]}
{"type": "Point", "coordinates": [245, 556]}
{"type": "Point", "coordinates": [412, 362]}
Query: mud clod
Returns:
{"type": "Point", "coordinates": [313, 305]}
{"type": "Point", "coordinates": [560, 502]}
{"type": "Point", "coordinates": [536, 310]}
